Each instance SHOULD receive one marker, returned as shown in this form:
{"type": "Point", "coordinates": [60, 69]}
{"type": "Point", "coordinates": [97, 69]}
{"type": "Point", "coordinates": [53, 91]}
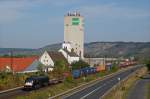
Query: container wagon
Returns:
{"type": "Point", "coordinates": [76, 73]}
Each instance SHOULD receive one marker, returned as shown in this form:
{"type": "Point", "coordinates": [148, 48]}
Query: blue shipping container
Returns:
{"type": "Point", "coordinates": [109, 67]}
{"type": "Point", "coordinates": [76, 73]}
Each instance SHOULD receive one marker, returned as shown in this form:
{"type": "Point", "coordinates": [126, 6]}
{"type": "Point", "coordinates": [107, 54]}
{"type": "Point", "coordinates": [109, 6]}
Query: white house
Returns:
{"type": "Point", "coordinates": [70, 56]}
{"type": "Point", "coordinates": [69, 53]}
{"type": "Point", "coordinates": [49, 58]}
{"type": "Point", "coordinates": [67, 45]}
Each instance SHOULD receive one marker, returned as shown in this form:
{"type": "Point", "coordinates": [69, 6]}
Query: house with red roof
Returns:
{"type": "Point", "coordinates": [16, 64]}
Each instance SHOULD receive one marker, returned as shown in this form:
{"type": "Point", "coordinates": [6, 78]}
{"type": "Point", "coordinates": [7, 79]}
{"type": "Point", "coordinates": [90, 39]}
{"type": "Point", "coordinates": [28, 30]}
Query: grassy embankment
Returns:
{"type": "Point", "coordinates": [69, 83]}
{"type": "Point", "coordinates": [120, 92]}
{"type": "Point", "coordinates": [9, 80]}
{"type": "Point", "coordinates": [147, 94]}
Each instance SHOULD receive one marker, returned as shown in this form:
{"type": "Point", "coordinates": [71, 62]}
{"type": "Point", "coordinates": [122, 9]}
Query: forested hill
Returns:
{"type": "Point", "coordinates": [93, 49]}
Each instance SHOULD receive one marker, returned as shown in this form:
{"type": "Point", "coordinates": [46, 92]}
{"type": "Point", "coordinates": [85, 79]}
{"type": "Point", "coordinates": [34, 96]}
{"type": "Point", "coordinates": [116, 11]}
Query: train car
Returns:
{"type": "Point", "coordinates": [76, 74]}
{"type": "Point", "coordinates": [108, 66]}
{"type": "Point", "coordinates": [83, 72]}
{"type": "Point", "coordinates": [93, 70]}
{"type": "Point", "coordinates": [101, 67]}
{"type": "Point", "coordinates": [35, 82]}
{"type": "Point", "coordinates": [88, 70]}
{"type": "Point", "coordinates": [123, 64]}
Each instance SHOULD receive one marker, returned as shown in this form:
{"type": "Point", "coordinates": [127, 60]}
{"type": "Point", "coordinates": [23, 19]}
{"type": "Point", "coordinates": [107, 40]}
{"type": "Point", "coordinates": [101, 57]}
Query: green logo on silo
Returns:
{"type": "Point", "coordinates": [75, 21]}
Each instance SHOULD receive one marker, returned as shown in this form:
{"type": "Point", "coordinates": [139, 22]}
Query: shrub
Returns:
{"type": "Point", "coordinates": [147, 62]}
{"type": "Point", "coordinates": [79, 64]}
{"type": "Point", "coordinates": [69, 79]}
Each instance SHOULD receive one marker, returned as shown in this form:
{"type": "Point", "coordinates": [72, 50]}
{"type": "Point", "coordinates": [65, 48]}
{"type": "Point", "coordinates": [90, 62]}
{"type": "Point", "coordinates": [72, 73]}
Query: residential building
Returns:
{"type": "Point", "coordinates": [48, 59]}
{"type": "Point", "coordinates": [70, 56]}
{"type": "Point", "coordinates": [99, 61]}
{"type": "Point", "coordinates": [16, 64]}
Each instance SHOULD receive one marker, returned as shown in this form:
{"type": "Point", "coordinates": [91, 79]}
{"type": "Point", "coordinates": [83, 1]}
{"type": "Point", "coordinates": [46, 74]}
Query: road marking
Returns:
{"type": "Point", "coordinates": [92, 91]}
{"type": "Point", "coordinates": [111, 80]}
{"type": "Point", "coordinates": [108, 82]}
{"type": "Point", "coordinates": [96, 89]}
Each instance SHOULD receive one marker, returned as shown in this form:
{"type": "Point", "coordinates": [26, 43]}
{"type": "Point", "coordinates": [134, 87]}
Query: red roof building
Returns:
{"type": "Point", "coordinates": [16, 64]}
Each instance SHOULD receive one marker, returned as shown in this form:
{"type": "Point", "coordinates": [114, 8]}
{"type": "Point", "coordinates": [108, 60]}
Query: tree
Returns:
{"type": "Point", "coordinates": [60, 67]}
{"type": "Point", "coordinates": [79, 64]}
{"type": "Point", "coordinates": [114, 66]}
{"type": "Point", "coordinates": [40, 67]}
{"type": "Point", "coordinates": [147, 62]}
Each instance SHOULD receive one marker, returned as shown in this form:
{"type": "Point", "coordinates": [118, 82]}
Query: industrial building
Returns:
{"type": "Point", "coordinates": [74, 33]}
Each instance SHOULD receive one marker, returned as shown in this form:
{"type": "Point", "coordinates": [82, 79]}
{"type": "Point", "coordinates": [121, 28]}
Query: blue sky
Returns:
{"type": "Point", "coordinates": [36, 23]}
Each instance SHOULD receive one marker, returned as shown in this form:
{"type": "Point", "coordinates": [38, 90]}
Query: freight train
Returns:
{"type": "Point", "coordinates": [91, 70]}
{"type": "Point", "coordinates": [83, 72]}
{"type": "Point", "coordinates": [35, 82]}
{"type": "Point", "coordinates": [124, 64]}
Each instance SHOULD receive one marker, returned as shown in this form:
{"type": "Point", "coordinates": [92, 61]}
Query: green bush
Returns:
{"type": "Point", "coordinates": [10, 80]}
{"type": "Point", "coordinates": [114, 67]}
{"type": "Point", "coordinates": [148, 64]}
{"type": "Point", "coordinates": [60, 67]}
{"type": "Point", "coordinates": [79, 64]}
{"type": "Point", "coordinates": [69, 79]}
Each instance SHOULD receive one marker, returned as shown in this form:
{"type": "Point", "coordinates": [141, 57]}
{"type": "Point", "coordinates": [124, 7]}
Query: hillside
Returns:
{"type": "Point", "coordinates": [117, 49]}
{"type": "Point", "coordinates": [17, 51]}
{"type": "Point", "coordinates": [94, 49]}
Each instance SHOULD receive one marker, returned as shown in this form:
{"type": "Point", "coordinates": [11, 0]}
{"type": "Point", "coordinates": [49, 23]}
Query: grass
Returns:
{"type": "Point", "coordinates": [148, 91]}
{"type": "Point", "coordinates": [69, 83]}
{"type": "Point", "coordinates": [121, 91]}
{"type": "Point", "coordinates": [9, 80]}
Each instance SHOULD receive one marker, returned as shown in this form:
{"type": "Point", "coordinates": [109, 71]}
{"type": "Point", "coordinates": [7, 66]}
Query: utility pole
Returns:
{"type": "Point", "coordinates": [11, 61]}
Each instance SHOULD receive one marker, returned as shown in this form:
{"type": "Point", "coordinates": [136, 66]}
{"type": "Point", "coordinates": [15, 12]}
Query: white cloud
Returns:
{"type": "Point", "coordinates": [112, 10]}
{"type": "Point", "coordinates": [10, 10]}
{"type": "Point", "coordinates": [65, 2]}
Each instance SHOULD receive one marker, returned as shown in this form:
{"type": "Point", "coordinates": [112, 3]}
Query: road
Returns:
{"type": "Point", "coordinates": [97, 90]}
{"type": "Point", "coordinates": [139, 90]}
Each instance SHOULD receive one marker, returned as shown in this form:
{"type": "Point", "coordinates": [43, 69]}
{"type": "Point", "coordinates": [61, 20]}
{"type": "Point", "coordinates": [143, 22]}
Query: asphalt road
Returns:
{"type": "Point", "coordinates": [97, 90]}
{"type": "Point", "coordinates": [139, 90]}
